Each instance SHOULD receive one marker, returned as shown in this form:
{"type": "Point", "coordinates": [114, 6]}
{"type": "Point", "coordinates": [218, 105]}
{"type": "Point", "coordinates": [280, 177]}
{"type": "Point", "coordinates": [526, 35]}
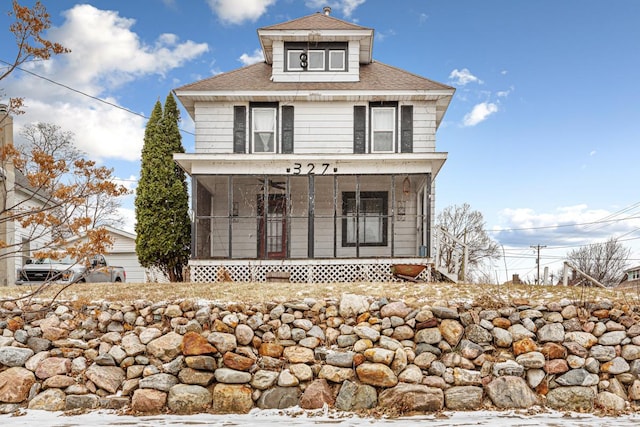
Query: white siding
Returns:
{"type": "Point", "coordinates": [322, 127]}
{"type": "Point", "coordinates": [214, 129]}
{"type": "Point", "coordinates": [424, 127]}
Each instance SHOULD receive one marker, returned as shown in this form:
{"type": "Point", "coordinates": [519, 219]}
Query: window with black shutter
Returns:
{"type": "Point", "coordinates": [287, 129]}
{"type": "Point", "coordinates": [239, 128]}
{"type": "Point", "coordinates": [359, 129]}
{"type": "Point", "coordinates": [406, 129]}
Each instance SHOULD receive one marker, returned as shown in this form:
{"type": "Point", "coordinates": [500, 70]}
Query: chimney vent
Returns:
{"type": "Point", "coordinates": [327, 10]}
{"type": "Point", "coordinates": [4, 108]}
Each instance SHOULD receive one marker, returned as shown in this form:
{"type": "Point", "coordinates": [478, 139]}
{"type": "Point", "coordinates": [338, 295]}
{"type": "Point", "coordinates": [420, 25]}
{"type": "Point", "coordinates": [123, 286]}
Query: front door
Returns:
{"type": "Point", "coordinates": [272, 230]}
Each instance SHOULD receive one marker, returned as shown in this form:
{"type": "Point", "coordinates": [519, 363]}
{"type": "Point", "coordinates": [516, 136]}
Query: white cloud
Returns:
{"type": "Point", "coordinates": [567, 225]}
{"type": "Point", "coordinates": [105, 54]}
{"type": "Point", "coordinates": [463, 77]}
{"type": "Point", "coordinates": [505, 93]}
{"type": "Point", "coordinates": [239, 11]}
{"type": "Point", "coordinates": [480, 113]}
{"type": "Point", "coordinates": [423, 18]}
{"type": "Point", "coordinates": [345, 6]}
{"type": "Point", "coordinates": [592, 153]}
{"type": "Point", "coordinates": [257, 56]}
{"type": "Point", "coordinates": [381, 35]}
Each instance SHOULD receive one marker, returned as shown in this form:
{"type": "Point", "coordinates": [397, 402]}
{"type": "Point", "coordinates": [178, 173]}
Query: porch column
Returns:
{"type": "Point", "coordinates": [230, 215]}
{"type": "Point", "coordinates": [311, 219]}
{"type": "Point", "coordinates": [393, 214]}
{"type": "Point", "coordinates": [428, 213]}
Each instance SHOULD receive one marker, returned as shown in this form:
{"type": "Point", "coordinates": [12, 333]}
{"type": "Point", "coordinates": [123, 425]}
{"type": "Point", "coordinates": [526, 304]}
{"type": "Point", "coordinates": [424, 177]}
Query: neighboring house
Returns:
{"type": "Point", "coordinates": [122, 253]}
{"type": "Point", "coordinates": [16, 194]}
{"type": "Point", "coordinates": [631, 279]}
{"type": "Point", "coordinates": [316, 165]}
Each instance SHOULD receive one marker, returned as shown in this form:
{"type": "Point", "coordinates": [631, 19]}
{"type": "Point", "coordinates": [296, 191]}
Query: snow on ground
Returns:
{"type": "Point", "coordinates": [33, 418]}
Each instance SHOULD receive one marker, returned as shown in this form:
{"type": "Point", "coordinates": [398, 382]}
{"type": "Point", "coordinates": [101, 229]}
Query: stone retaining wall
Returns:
{"type": "Point", "coordinates": [352, 354]}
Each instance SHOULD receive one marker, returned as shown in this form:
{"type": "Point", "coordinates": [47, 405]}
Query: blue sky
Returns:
{"type": "Point", "coordinates": [541, 134]}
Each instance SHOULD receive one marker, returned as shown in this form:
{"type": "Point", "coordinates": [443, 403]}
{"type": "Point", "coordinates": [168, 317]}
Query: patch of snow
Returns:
{"type": "Point", "coordinates": [299, 418]}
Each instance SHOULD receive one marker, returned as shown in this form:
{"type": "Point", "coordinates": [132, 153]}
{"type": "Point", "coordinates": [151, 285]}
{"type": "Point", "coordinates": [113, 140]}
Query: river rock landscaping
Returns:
{"type": "Point", "coordinates": [353, 353]}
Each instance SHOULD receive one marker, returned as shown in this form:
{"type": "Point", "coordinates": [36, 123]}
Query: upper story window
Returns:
{"type": "Point", "coordinates": [383, 129]}
{"type": "Point", "coordinates": [263, 129]}
{"type": "Point", "coordinates": [633, 275]}
{"type": "Point", "coordinates": [316, 57]}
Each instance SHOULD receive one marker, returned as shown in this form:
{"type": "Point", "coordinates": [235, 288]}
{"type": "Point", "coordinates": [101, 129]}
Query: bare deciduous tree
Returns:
{"type": "Point", "coordinates": [467, 226]}
{"type": "Point", "coordinates": [605, 262]}
{"type": "Point", "coordinates": [101, 208]}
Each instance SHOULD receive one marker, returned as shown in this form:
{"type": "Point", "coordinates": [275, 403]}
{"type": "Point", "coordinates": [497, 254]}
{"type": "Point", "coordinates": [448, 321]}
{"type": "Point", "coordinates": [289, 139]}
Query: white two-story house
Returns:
{"type": "Point", "coordinates": [318, 162]}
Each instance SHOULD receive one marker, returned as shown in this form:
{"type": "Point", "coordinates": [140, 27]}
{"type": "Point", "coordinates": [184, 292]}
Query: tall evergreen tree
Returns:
{"type": "Point", "coordinates": [162, 203]}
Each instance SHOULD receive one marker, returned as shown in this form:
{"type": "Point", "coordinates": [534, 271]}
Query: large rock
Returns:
{"type": "Point", "coordinates": [585, 339]}
{"type": "Point", "coordinates": [397, 308]}
{"type": "Point", "coordinates": [297, 354]}
{"type": "Point", "coordinates": [335, 374]}
{"type": "Point", "coordinates": [262, 379]}
{"type": "Point", "coordinates": [52, 399]}
{"type": "Point", "coordinates": [166, 347]}
{"type": "Point", "coordinates": [376, 374]}
{"type": "Point", "coordinates": [428, 336]}
{"type": "Point", "coordinates": [108, 378]}
{"type": "Point", "coordinates": [409, 398]}
{"type": "Point", "coordinates": [132, 345]}
{"type": "Point", "coordinates": [279, 398]}
{"type": "Point", "coordinates": [147, 400]}
{"type": "Point", "coordinates": [571, 398]}
{"type": "Point", "coordinates": [231, 376]}
{"type": "Point", "coordinates": [452, 331]}
{"type": "Point", "coordinates": [188, 399]}
{"type": "Point", "coordinates": [610, 402]}
{"type": "Point", "coordinates": [82, 401]}
{"type": "Point", "coordinates": [231, 399]}
{"type": "Point", "coordinates": [511, 392]}
{"type": "Point", "coordinates": [161, 381]}
{"type": "Point", "coordinates": [578, 377]}
{"type": "Point", "coordinates": [463, 398]}
{"type": "Point", "coordinates": [351, 305]}
{"type": "Point", "coordinates": [316, 395]}
{"type": "Point", "coordinates": [552, 332]}
{"type": "Point", "coordinates": [194, 344]}
{"type": "Point", "coordinates": [237, 361]}
{"type": "Point", "coordinates": [195, 377]}
{"type": "Point", "coordinates": [15, 384]}
{"type": "Point", "coordinates": [53, 366]}
{"type": "Point", "coordinates": [14, 356]}
{"type": "Point", "coordinates": [202, 363]}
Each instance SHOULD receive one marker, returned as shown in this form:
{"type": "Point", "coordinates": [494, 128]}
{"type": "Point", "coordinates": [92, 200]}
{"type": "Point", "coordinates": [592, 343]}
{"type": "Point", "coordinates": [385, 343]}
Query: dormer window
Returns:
{"type": "Point", "coordinates": [318, 57]}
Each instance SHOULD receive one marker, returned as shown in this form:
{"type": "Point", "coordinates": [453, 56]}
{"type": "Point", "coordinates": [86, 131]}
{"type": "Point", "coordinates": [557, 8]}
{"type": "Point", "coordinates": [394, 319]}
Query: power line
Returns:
{"type": "Point", "coordinates": [95, 98]}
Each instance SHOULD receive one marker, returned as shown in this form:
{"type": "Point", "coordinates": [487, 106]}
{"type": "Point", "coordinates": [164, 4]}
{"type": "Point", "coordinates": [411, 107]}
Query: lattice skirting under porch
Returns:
{"type": "Point", "coordinates": [298, 272]}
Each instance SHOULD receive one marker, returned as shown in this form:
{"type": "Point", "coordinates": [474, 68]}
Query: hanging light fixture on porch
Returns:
{"type": "Point", "coordinates": [406, 186]}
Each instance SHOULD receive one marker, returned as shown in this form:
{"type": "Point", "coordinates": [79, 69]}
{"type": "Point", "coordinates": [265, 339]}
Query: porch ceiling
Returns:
{"type": "Point", "coordinates": [298, 164]}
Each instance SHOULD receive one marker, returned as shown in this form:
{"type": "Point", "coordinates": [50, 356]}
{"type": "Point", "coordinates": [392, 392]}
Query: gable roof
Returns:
{"type": "Point", "coordinates": [315, 21]}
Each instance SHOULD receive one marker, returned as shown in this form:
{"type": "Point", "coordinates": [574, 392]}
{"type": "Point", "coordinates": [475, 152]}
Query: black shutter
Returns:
{"type": "Point", "coordinates": [287, 129]}
{"type": "Point", "coordinates": [239, 128]}
{"type": "Point", "coordinates": [406, 129]}
{"type": "Point", "coordinates": [359, 129]}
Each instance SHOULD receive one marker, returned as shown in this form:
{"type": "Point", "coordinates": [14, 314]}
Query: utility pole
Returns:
{"type": "Point", "coordinates": [537, 248]}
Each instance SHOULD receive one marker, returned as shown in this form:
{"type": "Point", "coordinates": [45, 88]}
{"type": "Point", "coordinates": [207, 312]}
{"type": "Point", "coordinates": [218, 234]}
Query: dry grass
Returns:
{"type": "Point", "coordinates": [412, 293]}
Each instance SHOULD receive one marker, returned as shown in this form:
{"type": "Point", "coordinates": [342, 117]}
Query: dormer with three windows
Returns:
{"type": "Point", "coordinates": [317, 48]}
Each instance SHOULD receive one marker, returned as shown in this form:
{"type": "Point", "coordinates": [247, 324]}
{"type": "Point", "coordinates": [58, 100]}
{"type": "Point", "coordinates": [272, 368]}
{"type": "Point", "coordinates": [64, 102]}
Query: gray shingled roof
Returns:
{"type": "Point", "coordinates": [316, 21]}
{"type": "Point", "coordinates": [257, 77]}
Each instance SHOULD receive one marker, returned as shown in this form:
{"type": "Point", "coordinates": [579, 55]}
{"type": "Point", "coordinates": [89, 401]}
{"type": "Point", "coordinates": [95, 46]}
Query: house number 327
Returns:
{"type": "Point", "coordinates": [310, 169]}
